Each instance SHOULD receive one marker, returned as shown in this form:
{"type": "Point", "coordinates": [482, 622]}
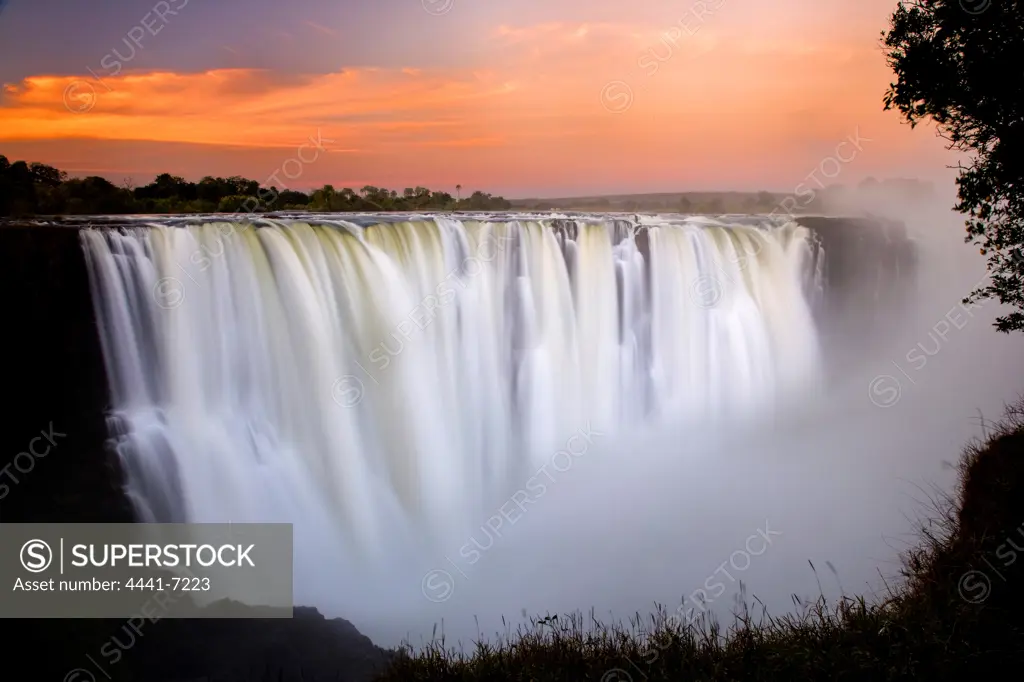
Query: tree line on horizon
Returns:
{"type": "Point", "coordinates": [30, 189]}
{"type": "Point", "coordinates": [735, 201]}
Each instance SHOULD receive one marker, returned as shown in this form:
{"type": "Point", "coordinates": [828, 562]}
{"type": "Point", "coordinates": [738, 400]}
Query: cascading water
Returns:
{"type": "Point", "coordinates": [363, 376]}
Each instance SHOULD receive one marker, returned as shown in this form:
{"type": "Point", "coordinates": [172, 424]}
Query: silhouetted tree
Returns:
{"type": "Point", "coordinates": [6, 190]}
{"type": "Point", "coordinates": [20, 185]}
{"type": "Point", "coordinates": [959, 64]}
{"type": "Point", "coordinates": [321, 199]}
{"type": "Point", "coordinates": [292, 199]}
{"type": "Point", "coordinates": [47, 175]}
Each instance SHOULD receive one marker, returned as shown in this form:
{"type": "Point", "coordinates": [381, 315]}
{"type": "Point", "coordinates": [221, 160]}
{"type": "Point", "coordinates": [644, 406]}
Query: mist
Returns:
{"type": "Point", "coordinates": [678, 514]}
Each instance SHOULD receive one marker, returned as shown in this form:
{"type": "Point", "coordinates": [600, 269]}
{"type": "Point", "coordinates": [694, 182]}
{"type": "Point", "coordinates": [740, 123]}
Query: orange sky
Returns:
{"type": "Point", "coordinates": [718, 94]}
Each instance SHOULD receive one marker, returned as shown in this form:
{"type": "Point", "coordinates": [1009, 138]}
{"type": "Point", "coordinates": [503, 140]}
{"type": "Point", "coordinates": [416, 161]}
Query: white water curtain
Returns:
{"type": "Point", "coordinates": [406, 372]}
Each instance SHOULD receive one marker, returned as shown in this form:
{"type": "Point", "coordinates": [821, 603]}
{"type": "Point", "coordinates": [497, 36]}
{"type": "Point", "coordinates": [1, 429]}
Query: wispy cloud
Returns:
{"type": "Point", "coordinates": [320, 28]}
{"type": "Point", "coordinates": [372, 106]}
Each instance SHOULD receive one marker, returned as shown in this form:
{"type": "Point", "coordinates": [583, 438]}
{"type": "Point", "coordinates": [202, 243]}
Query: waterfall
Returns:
{"type": "Point", "coordinates": [404, 371]}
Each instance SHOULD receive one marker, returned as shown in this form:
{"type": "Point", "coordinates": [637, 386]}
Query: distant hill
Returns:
{"type": "Point", "coordinates": [804, 199]}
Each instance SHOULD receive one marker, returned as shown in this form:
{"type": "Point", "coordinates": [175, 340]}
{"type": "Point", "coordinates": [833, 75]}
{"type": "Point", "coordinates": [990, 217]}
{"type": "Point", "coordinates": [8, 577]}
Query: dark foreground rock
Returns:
{"type": "Point", "coordinates": [306, 648]}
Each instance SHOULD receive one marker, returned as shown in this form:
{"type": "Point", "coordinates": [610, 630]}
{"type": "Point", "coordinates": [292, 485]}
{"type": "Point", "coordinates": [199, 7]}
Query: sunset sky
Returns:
{"type": "Point", "coordinates": [523, 98]}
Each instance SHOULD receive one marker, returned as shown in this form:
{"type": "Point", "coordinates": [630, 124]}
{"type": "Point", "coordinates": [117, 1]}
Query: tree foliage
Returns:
{"type": "Point", "coordinates": [28, 189]}
{"type": "Point", "coordinates": [960, 64]}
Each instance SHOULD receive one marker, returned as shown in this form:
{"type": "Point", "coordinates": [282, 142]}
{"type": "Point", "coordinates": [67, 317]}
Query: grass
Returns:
{"type": "Point", "coordinates": [956, 612]}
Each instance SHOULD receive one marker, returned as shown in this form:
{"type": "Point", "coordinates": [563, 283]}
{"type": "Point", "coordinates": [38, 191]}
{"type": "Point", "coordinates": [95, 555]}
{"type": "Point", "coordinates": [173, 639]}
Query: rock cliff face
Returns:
{"type": "Point", "coordinates": [54, 378]}
{"type": "Point", "coordinates": [864, 256]}
{"type": "Point", "coordinates": [56, 387]}
{"type": "Point", "coordinates": [870, 268]}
